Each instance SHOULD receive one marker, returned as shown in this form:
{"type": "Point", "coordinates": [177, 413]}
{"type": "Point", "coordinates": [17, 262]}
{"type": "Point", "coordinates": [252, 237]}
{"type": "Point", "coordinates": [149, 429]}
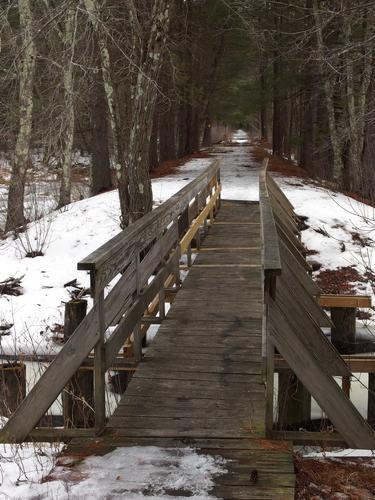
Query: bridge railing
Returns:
{"type": "Point", "coordinates": [307, 361]}
{"type": "Point", "coordinates": [142, 258]}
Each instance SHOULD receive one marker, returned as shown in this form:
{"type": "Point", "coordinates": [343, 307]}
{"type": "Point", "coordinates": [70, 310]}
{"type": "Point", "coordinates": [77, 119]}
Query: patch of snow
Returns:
{"type": "Point", "coordinates": [333, 218]}
{"type": "Point", "coordinates": [339, 453]}
{"type": "Point", "coordinates": [131, 473]}
{"type": "Point", "coordinates": [23, 467]}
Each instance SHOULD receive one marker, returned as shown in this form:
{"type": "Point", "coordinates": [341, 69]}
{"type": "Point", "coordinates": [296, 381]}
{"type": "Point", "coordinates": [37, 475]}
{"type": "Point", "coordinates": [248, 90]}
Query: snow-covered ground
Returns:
{"type": "Point", "coordinates": [42, 184]}
{"type": "Point", "coordinates": [125, 473]}
{"type": "Point", "coordinates": [342, 230]}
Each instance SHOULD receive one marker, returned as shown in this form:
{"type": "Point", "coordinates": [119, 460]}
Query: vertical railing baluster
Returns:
{"type": "Point", "coordinates": [99, 368]}
{"type": "Point", "coordinates": [137, 333]}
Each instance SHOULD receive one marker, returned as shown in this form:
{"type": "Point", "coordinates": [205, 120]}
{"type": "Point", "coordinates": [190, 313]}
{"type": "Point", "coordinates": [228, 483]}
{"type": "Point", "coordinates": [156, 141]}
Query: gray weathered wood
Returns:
{"type": "Point", "coordinates": [271, 256]}
{"type": "Point", "coordinates": [342, 413]}
{"type": "Point", "coordinates": [110, 258]}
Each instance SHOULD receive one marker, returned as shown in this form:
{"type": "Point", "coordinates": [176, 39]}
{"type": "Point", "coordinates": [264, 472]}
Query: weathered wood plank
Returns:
{"type": "Point", "coordinates": [326, 300]}
{"type": "Point", "coordinates": [271, 255]}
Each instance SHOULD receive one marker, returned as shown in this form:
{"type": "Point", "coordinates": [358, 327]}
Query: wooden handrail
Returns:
{"type": "Point", "coordinates": [271, 254]}
{"type": "Point", "coordinates": [109, 259]}
{"type": "Point", "coordinates": [157, 235]}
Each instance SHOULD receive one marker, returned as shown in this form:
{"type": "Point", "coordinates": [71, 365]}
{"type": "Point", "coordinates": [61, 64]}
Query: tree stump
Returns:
{"type": "Point", "coordinates": [343, 332]}
{"type": "Point", "coordinates": [12, 387]}
{"type": "Point", "coordinates": [294, 403]}
{"type": "Point", "coordinates": [78, 395]}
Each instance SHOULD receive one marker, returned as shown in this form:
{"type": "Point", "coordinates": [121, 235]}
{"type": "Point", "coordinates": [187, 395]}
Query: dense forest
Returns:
{"type": "Point", "coordinates": [139, 82]}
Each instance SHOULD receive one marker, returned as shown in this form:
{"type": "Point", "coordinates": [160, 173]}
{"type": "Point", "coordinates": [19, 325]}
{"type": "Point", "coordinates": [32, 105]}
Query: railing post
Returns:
{"type": "Point", "coordinates": [198, 235]}
{"type": "Point", "coordinates": [137, 333]}
{"type": "Point", "coordinates": [99, 368]}
{"type": "Point", "coordinates": [371, 400]}
{"type": "Point", "coordinates": [268, 353]}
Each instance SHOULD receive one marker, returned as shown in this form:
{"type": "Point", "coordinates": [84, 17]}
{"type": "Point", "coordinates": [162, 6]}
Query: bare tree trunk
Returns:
{"type": "Point", "coordinates": [277, 136]}
{"type": "Point", "coordinates": [153, 147]}
{"type": "Point", "coordinates": [15, 210]}
{"type": "Point", "coordinates": [357, 110]}
{"type": "Point", "coordinates": [101, 178]}
{"type": "Point", "coordinates": [338, 166]}
{"type": "Point", "coordinates": [92, 9]}
{"type": "Point", "coordinates": [263, 106]}
{"type": "Point", "coordinates": [68, 125]}
{"type": "Point", "coordinates": [137, 164]}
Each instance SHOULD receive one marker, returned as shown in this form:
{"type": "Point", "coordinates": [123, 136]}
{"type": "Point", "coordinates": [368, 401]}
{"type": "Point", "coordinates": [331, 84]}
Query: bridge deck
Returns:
{"type": "Point", "coordinates": [201, 381]}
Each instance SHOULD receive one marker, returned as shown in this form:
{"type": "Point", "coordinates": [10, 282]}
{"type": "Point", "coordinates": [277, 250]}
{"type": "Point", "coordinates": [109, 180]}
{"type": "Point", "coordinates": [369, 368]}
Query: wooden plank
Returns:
{"type": "Point", "coordinates": [277, 191]}
{"type": "Point", "coordinates": [298, 270]}
{"type": "Point", "coordinates": [305, 438]}
{"type": "Point", "coordinates": [342, 413]}
{"type": "Point", "coordinates": [190, 389]}
{"type": "Point", "coordinates": [291, 245]}
{"type": "Point", "coordinates": [306, 299]}
{"type": "Point", "coordinates": [215, 329]}
{"type": "Point", "coordinates": [271, 255]}
{"type": "Point", "coordinates": [355, 363]}
{"type": "Point", "coordinates": [50, 434]}
{"type": "Point", "coordinates": [327, 300]}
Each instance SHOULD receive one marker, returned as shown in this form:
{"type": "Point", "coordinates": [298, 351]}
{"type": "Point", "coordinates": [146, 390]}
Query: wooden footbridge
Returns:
{"type": "Point", "coordinates": [207, 379]}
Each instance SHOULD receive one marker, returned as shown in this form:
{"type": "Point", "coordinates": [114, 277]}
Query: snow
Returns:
{"type": "Point", "coordinates": [339, 217]}
{"type": "Point", "coordinates": [346, 453]}
{"type": "Point", "coordinates": [23, 467]}
{"type": "Point", "coordinates": [132, 473]}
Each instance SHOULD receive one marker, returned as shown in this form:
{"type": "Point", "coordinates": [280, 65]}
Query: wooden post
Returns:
{"type": "Point", "coordinates": [78, 395]}
{"type": "Point", "coordinates": [294, 402]}
{"type": "Point", "coordinates": [371, 400]}
{"type": "Point", "coordinates": [343, 333]}
{"type": "Point", "coordinates": [120, 381]}
{"type": "Point", "coordinates": [99, 369]}
{"type": "Point", "coordinates": [12, 387]}
{"type": "Point", "coordinates": [188, 255]}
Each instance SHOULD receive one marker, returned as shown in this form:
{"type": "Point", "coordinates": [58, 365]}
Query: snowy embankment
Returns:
{"type": "Point", "coordinates": [340, 229]}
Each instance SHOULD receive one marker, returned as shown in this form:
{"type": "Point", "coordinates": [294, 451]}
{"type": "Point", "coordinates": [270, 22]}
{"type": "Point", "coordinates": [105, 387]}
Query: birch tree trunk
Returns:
{"type": "Point", "coordinates": [15, 209]}
{"type": "Point", "coordinates": [137, 159]}
{"type": "Point", "coordinates": [92, 9]}
{"type": "Point", "coordinates": [68, 125]}
{"type": "Point", "coordinates": [101, 178]}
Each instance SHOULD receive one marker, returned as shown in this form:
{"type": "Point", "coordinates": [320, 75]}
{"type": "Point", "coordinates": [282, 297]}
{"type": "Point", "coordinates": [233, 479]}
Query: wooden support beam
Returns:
{"type": "Point", "coordinates": [356, 364]}
{"type": "Point", "coordinates": [315, 376]}
{"type": "Point", "coordinates": [328, 300]}
{"type": "Point", "coordinates": [322, 439]}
